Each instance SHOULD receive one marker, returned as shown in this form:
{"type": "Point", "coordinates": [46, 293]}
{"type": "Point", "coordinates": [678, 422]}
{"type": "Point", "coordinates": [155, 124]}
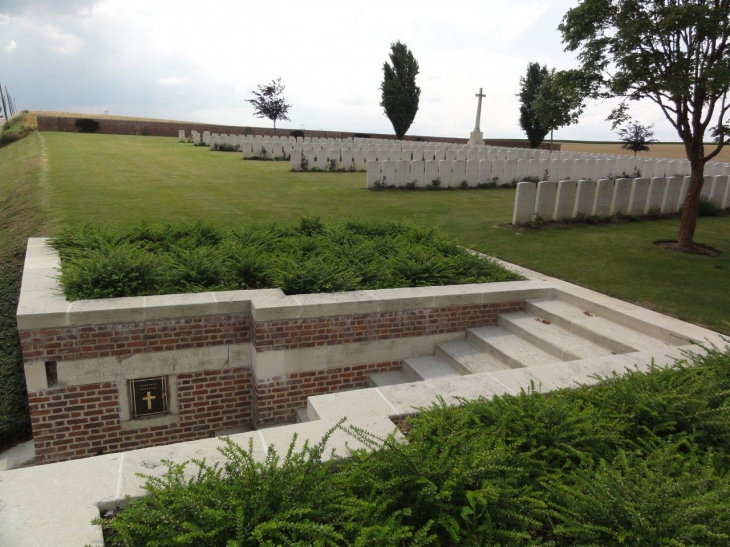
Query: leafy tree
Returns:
{"type": "Point", "coordinates": [556, 104]}
{"type": "Point", "coordinates": [269, 102]}
{"type": "Point", "coordinates": [636, 137]}
{"type": "Point", "coordinates": [400, 94]}
{"type": "Point", "coordinates": [529, 86]}
{"type": "Point", "coordinates": [675, 53]}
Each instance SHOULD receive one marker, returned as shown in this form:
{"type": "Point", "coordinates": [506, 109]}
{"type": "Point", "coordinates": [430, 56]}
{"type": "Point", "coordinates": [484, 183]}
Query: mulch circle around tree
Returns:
{"type": "Point", "coordinates": [697, 248]}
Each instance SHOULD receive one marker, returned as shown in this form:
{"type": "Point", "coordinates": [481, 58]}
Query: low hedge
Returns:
{"type": "Point", "coordinates": [636, 460]}
{"type": "Point", "coordinates": [309, 257]}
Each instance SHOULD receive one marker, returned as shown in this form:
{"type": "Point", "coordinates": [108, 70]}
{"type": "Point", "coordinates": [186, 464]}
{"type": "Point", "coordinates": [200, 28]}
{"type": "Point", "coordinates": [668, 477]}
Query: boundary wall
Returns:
{"type": "Point", "coordinates": [639, 196]}
{"type": "Point", "coordinates": [232, 360]}
{"type": "Point", "coordinates": [171, 129]}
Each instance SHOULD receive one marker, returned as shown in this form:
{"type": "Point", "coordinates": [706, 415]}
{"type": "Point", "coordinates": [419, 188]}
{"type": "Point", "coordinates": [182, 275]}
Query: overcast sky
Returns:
{"type": "Point", "coordinates": [198, 60]}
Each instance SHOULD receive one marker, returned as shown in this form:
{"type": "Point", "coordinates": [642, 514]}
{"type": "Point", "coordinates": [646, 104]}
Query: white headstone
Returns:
{"type": "Point", "coordinates": [445, 169]}
{"type": "Point", "coordinates": [565, 199]}
{"type": "Point", "coordinates": [621, 196]}
{"type": "Point", "coordinates": [604, 197]}
{"type": "Point", "coordinates": [545, 199]}
{"type": "Point", "coordinates": [524, 202]}
{"type": "Point", "coordinates": [585, 198]}
{"type": "Point", "coordinates": [374, 173]}
{"type": "Point", "coordinates": [458, 173]}
{"type": "Point", "coordinates": [403, 173]}
{"type": "Point", "coordinates": [388, 175]}
{"type": "Point", "coordinates": [472, 173]}
{"type": "Point", "coordinates": [654, 199]}
{"type": "Point", "coordinates": [431, 172]}
{"type": "Point", "coordinates": [639, 196]}
{"type": "Point", "coordinates": [418, 173]}
{"type": "Point", "coordinates": [510, 172]}
{"type": "Point", "coordinates": [670, 201]}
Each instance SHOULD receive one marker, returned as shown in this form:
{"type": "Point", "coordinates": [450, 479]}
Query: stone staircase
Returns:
{"type": "Point", "coordinates": [548, 331]}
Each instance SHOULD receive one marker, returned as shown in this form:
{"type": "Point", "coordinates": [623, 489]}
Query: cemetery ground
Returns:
{"type": "Point", "coordinates": [669, 457]}
{"type": "Point", "coordinates": [53, 179]}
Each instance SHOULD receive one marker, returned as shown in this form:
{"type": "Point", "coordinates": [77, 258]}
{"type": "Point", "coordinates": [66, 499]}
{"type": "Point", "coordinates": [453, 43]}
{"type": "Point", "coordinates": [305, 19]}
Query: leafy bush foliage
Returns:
{"type": "Point", "coordinates": [311, 257]}
{"type": "Point", "coordinates": [87, 125]}
{"type": "Point", "coordinates": [636, 460]}
{"type": "Point", "coordinates": [14, 129]}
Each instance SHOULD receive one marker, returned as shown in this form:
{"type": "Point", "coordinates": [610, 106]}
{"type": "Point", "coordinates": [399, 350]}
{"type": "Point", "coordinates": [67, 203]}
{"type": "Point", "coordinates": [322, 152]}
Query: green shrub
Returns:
{"type": "Point", "coordinates": [87, 125]}
{"type": "Point", "coordinates": [14, 129]}
{"type": "Point", "coordinates": [102, 262]}
{"type": "Point", "coordinates": [635, 460]}
{"type": "Point", "coordinates": [296, 133]}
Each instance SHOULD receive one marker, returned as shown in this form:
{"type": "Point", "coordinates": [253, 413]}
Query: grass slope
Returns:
{"type": "Point", "coordinates": [119, 179]}
{"type": "Point", "coordinates": [20, 218]}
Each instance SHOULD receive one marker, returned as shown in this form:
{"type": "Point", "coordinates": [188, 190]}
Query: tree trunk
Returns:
{"type": "Point", "coordinates": [690, 209]}
{"type": "Point", "coordinates": [274, 128]}
{"type": "Point", "coordinates": [551, 142]}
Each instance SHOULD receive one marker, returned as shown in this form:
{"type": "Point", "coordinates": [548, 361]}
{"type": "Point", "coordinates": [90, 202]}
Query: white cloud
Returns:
{"type": "Point", "coordinates": [172, 80]}
{"type": "Point", "coordinates": [12, 47]}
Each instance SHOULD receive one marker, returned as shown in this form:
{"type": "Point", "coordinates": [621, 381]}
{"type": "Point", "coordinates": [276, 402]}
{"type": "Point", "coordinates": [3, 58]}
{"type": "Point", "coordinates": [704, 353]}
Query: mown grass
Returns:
{"type": "Point", "coordinates": [638, 460]}
{"type": "Point", "coordinates": [121, 180]}
{"type": "Point", "coordinates": [20, 217]}
{"type": "Point", "coordinates": [309, 257]}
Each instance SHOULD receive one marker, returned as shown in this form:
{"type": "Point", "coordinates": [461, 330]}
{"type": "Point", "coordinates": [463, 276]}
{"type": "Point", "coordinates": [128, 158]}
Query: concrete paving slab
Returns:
{"type": "Point", "coordinates": [20, 455]}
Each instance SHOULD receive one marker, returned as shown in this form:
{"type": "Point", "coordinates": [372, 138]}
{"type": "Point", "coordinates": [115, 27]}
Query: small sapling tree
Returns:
{"type": "Point", "coordinates": [636, 137]}
{"type": "Point", "coordinates": [400, 94]}
{"type": "Point", "coordinates": [269, 102]}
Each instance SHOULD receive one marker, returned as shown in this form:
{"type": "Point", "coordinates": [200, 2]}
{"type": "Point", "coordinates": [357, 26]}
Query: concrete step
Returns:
{"type": "Point", "coordinates": [508, 347]}
{"type": "Point", "coordinates": [302, 415]}
{"type": "Point", "coordinates": [392, 378]}
{"type": "Point", "coordinates": [616, 337]}
{"type": "Point", "coordinates": [467, 358]}
{"type": "Point", "coordinates": [551, 338]}
{"type": "Point", "coordinates": [427, 368]}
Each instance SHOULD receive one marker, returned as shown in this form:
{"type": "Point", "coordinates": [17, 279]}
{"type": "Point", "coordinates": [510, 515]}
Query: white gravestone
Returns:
{"type": "Point", "coordinates": [545, 199]}
{"type": "Point", "coordinates": [565, 199]}
{"type": "Point", "coordinates": [450, 155]}
{"type": "Point", "coordinates": [670, 201]}
{"type": "Point", "coordinates": [431, 172]}
{"type": "Point", "coordinates": [719, 185]}
{"type": "Point", "coordinates": [510, 172]}
{"type": "Point", "coordinates": [524, 202]}
{"type": "Point", "coordinates": [706, 187]}
{"type": "Point", "coordinates": [533, 169]}
{"type": "Point", "coordinates": [445, 169]}
{"type": "Point", "coordinates": [321, 159]}
{"type": "Point", "coordinates": [585, 198]}
{"type": "Point", "coordinates": [472, 172]}
{"type": "Point", "coordinates": [403, 173]}
{"type": "Point", "coordinates": [522, 168]}
{"type": "Point", "coordinates": [418, 173]}
{"type": "Point", "coordinates": [359, 157]}
{"type": "Point", "coordinates": [621, 195]}
{"type": "Point", "coordinates": [485, 171]}
{"type": "Point", "coordinates": [639, 195]}
{"type": "Point", "coordinates": [498, 172]}
{"type": "Point", "coordinates": [374, 173]}
{"type": "Point", "coordinates": [458, 174]}
{"type": "Point", "coordinates": [348, 160]}
{"type": "Point", "coordinates": [388, 175]}
{"type": "Point", "coordinates": [461, 155]}
{"type": "Point", "coordinates": [604, 197]}
{"type": "Point", "coordinates": [654, 199]}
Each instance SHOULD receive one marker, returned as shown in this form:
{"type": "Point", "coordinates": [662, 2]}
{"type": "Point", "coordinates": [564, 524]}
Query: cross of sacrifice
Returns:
{"type": "Point", "coordinates": [480, 95]}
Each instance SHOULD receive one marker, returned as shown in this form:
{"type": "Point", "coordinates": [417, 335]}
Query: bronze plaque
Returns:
{"type": "Point", "coordinates": [149, 396]}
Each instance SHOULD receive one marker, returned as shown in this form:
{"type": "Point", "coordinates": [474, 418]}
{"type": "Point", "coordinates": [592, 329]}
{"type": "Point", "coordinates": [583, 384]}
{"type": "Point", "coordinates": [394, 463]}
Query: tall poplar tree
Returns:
{"type": "Point", "coordinates": [400, 94]}
{"type": "Point", "coordinates": [529, 87]}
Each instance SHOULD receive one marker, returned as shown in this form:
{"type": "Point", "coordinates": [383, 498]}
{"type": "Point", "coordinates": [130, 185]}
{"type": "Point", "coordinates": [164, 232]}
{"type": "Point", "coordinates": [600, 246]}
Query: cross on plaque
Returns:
{"type": "Point", "coordinates": [480, 96]}
{"type": "Point", "coordinates": [149, 400]}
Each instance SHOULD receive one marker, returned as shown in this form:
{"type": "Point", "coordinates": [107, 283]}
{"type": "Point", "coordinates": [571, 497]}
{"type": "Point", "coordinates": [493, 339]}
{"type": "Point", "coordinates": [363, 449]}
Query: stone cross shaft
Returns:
{"type": "Point", "coordinates": [480, 95]}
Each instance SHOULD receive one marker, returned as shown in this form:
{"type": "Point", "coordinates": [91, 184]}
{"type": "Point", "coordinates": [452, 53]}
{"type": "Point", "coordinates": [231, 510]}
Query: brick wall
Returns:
{"type": "Point", "coordinates": [78, 421]}
{"type": "Point", "coordinates": [81, 421]}
{"type": "Point", "coordinates": [120, 339]}
{"type": "Point", "coordinates": [368, 327]}
{"type": "Point", "coordinates": [170, 129]}
{"type": "Point", "coordinates": [278, 398]}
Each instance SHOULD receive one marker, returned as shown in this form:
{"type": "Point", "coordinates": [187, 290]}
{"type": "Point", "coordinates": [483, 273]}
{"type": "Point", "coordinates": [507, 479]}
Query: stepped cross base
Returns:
{"type": "Point", "coordinates": [476, 137]}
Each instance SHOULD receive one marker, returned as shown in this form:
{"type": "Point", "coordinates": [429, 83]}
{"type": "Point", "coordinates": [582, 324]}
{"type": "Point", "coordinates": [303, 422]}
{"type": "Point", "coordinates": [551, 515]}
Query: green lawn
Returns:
{"type": "Point", "coordinates": [120, 179]}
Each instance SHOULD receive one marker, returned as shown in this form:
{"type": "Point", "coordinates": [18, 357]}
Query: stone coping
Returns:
{"type": "Point", "coordinates": [42, 304]}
